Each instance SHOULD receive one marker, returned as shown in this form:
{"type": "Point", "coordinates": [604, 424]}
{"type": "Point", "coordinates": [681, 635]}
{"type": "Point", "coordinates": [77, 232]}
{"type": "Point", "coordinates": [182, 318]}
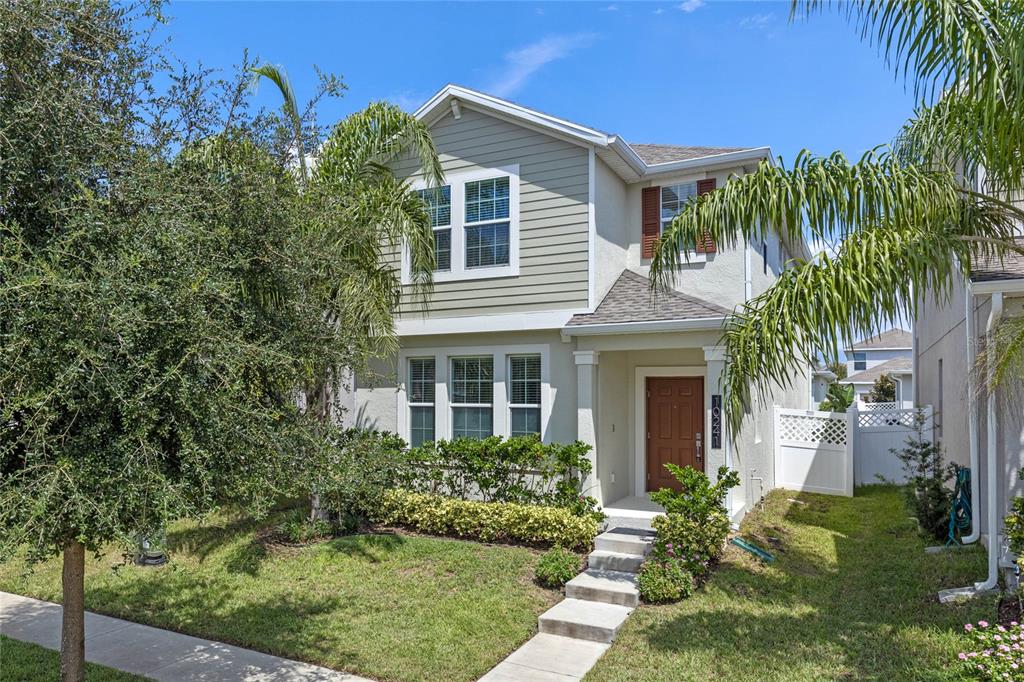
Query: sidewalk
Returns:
{"type": "Point", "coordinates": [152, 652]}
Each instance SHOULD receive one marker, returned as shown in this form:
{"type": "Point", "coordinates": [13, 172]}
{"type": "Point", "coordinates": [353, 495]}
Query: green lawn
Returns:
{"type": "Point", "coordinates": [852, 596]}
{"type": "Point", "coordinates": [391, 607]}
{"type": "Point", "coordinates": [24, 662]}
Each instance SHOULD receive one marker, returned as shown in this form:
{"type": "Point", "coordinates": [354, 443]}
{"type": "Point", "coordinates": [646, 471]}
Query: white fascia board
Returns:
{"type": "Point", "coordinates": [702, 323]}
{"type": "Point", "coordinates": [1007, 286]}
{"type": "Point", "coordinates": [472, 324]}
{"type": "Point", "coordinates": [724, 159]}
{"type": "Point", "coordinates": [873, 349]}
{"type": "Point", "coordinates": [438, 101]}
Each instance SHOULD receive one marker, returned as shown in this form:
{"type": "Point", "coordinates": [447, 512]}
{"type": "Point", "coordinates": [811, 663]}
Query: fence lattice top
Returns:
{"type": "Point", "coordinates": [906, 418]}
{"type": "Point", "coordinates": [810, 428]}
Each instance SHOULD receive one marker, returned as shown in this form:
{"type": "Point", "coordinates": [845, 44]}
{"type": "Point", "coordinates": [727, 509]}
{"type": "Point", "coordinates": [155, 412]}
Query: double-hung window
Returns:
{"type": "Point", "coordinates": [472, 397]}
{"type": "Point", "coordinates": [439, 208]}
{"type": "Point", "coordinates": [673, 199]}
{"type": "Point", "coordinates": [421, 401]}
{"type": "Point", "coordinates": [487, 222]}
{"type": "Point", "coordinates": [860, 361]}
{"type": "Point", "coordinates": [524, 385]}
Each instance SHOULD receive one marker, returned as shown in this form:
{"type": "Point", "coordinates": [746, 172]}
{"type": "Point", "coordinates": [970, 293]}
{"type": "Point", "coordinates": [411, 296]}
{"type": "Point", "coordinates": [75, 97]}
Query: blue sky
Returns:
{"type": "Point", "coordinates": [691, 72]}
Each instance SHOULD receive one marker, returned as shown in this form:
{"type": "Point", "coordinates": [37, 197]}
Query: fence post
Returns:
{"type": "Point", "coordinates": [851, 430]}
{"type": "Point", "coordinates": [776, 448]}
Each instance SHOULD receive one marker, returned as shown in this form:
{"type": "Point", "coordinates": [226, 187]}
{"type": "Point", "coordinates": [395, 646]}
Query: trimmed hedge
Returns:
{"type": "Point", "coordinates": [486, 521]}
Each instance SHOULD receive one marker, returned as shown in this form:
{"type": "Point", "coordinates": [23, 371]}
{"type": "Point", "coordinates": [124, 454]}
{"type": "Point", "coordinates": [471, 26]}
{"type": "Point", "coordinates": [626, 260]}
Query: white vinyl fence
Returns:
{"type": "Point", "coordinates": [814, 451]}
{"type": "Point", "coordinates": [830, 452]}
{"type": "Point", "coordinates": [880, 432]}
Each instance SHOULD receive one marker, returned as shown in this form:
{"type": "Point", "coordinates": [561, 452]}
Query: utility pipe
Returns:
{"type": "Point", "coordinates": [972, 424]}
{"type": "Point", "coordinates": [991, 425]}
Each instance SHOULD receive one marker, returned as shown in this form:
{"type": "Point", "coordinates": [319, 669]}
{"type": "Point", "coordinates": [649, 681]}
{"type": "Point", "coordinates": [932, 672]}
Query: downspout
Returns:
{"type": "Point", "coordinates": [991, 431]}
{"type": "Point", "coordinates": [972, 424]}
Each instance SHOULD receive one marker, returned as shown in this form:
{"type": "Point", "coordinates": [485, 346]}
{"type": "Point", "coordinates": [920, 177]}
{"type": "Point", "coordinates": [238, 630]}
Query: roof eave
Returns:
{"type": "Point", "coordinates": [656, 326]}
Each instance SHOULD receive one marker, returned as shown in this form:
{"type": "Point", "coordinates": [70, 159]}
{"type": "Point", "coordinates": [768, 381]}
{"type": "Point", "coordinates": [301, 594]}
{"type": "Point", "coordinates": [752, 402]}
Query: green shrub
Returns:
{"type": "Point", "coordinates": [693, 543]}
{"type": "Point", "coordinates": [929, 498]}
{"type": "Point", "coordinates": [662, 581]}
{"type": "Point", "coordinates": [697, 497]}
{"type": "Point", "coordinates": [556, 567]}
{"type": "Point", "coordinates": [352, 471]}
{"type": "Point", "coordinates": [1015, 527]}
{"type": "Point", "coordinates": [299, 529]}
{"type": "Point", "coordinates": [522, 470]}
{"type": "Point", "coordinates": [486, 521]}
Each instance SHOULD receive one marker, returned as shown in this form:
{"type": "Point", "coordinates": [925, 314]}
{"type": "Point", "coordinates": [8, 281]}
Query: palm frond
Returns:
{"type": "Point", "coordinates": [278, 76]}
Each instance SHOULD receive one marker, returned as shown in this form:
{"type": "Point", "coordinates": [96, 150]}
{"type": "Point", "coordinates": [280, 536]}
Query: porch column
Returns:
{"type": "Point", "coordinates": [586, 413]}
{"type": "Point", "coordinates": [716, 429]}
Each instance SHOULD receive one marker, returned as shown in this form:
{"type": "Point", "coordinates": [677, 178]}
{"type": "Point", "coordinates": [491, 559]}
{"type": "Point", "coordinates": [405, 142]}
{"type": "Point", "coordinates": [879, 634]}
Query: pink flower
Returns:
{"type": "Point", "coordinates": [968, 627]}
{"type": "Point", "coordinates": [962, 656]}
{"type": "Point", "coordinates": [983, 623]}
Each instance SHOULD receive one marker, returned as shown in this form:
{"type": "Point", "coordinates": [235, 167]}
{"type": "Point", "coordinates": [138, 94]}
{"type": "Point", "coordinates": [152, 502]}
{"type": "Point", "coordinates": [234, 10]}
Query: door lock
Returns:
{"type": "Point", "coordinates": [698, 446]}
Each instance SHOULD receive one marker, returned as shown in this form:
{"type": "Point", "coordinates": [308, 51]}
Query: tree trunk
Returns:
{"type": "Point", "coordinates": [72, 636]}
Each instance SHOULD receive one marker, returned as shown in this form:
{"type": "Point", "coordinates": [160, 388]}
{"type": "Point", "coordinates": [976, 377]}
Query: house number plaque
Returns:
{"type": "Point", "coordinates": [716, 422]}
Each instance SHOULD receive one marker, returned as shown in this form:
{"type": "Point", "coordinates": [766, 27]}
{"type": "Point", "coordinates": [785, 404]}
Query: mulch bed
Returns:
{"type": "Point", "coordinates": [1010, 610]}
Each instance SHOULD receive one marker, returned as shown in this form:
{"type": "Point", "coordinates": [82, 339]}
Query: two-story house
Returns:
{"type": "Point", "coordinates": [889, 353]}
{"type": "Point", "coordinates": [542, 318]}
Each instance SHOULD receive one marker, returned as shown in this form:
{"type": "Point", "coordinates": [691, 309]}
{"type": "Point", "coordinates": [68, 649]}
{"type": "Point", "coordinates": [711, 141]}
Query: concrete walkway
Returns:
{"type": "Point", "coordinates": [152, 652]}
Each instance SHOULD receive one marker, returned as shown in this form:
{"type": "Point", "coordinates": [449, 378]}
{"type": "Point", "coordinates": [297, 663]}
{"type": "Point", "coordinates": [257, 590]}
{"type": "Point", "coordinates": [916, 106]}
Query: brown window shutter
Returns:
{"type": "Point", "coordinates": [708, 245]}
{"type": "Point", "coordinates": [651, 221]}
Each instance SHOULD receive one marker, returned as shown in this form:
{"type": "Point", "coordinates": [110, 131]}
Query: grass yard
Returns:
{"type": "Point", "coordinates": [391, 607]}
{"type": "Point", "coordinates": [24, 662]}
{"type": "Point", "coordinates": [851, 596]}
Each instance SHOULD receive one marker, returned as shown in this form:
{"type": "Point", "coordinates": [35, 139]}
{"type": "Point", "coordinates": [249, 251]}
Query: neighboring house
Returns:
{"type": "Point", "coordinates": [542, 318]}
{"type": "Point", "coordinates": [821, 379]}
{"type": "Point", "coordinates": [892, 353]}
{"type": "Point", "coordinates": [985, 432]}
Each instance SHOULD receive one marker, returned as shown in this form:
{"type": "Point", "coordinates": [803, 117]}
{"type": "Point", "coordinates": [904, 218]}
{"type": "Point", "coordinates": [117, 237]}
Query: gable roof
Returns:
{"type": "Point", "coordinates": [894, 338]}
{"type": "Point", "coordinates": [622, 157]}
{"type": "Point", "coordinates": [894, 366]}
{"type": "Point", "coordinates": [631, 300]}
{"type": "Point", "coordinates": [989, 268]}
{"type": "Point", "coordinates": [654, 154]}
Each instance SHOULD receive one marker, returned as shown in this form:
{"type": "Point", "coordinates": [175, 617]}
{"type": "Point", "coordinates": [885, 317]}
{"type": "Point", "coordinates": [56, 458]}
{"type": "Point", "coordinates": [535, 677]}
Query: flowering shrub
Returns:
{"type": "Point", "coordinates": [691, 542]}
{"type": "Point", "coordinates": [661, 581]}
{"type": "Point", "coordinates": [995, 652]}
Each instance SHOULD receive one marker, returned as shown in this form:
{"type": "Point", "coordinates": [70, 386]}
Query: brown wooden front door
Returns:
{"type": "Point", "coordinates": [675, 425]}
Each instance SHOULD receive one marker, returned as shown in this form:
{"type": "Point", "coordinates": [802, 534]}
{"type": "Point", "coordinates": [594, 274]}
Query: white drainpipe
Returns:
{"type": "Point", "coordinates": [972, 425]}
{"type": "Point", "coordinates": [991, 425]}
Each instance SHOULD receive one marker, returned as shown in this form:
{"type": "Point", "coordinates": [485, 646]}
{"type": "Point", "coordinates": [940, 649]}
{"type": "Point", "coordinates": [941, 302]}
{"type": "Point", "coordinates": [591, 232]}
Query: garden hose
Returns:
{"type": "Point", "coordinates": [960, 510]}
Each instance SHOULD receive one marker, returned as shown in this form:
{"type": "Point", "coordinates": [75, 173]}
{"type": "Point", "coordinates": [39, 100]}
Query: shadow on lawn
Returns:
{"type": "Point", "coordinates": [372, 547]}
{"type": "Point", "coordinates": [861, 594]}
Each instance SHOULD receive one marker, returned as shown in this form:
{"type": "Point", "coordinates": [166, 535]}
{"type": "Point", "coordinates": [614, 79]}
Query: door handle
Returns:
{"type": "Point", "coordinates": [698, 445]}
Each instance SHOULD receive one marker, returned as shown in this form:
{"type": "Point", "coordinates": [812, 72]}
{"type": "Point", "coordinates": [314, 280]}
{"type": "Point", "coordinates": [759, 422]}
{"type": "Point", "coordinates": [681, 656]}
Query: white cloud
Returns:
{"type": "Point", "coordinates": [691, 5]}
{"type": "Point", "coordinates": [658, 11]}
{"type": "Point", "coordinates": [523, 63]}
{"type": "Point", "coordinates": [757, 21]}
{"type": "Point", "coordinates": [611, 8]}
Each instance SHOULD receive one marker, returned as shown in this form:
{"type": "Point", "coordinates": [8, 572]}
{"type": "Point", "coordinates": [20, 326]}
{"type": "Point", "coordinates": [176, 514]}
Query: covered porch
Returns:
{"type": "Point", "coordinates": [648, 390]}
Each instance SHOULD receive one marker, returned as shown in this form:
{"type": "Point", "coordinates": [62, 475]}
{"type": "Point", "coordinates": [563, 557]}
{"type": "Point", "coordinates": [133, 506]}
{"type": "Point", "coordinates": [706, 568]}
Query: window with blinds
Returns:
{"type": "Point", "coordinates": [421, 401]}
{"type": "Point", "coordinates": [439, 208]}
{"type": "Point", "coordinates": [472, 397]}
{"type": "Point", "coordinates": [487, 205]}
{"type": "Point", "coordinates": [673, 198]}
{"type": "Point", "coordinates": [524, 387]}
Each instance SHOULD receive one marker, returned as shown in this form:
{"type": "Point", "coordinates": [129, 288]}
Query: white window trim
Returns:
{"type": "Point", "coordinates": [452, 405]}
{"type": "Point", "coordinates": [691, 256]}
{"type": "Point", "coordinates": [442, 405]}
{"type": "Point", "coordinates": [458, 271]}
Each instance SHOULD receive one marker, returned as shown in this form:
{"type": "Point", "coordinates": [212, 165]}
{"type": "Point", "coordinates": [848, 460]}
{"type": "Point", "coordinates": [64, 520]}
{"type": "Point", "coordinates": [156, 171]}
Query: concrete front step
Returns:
{"type": "Point", "coordinates": [591, 620]}
{"type": "Point", "coordinates": [614, 561]}
{"type": "Point", "coordinates": [610, 587]}
{"type": "Point", "coordinates": [625, 541]}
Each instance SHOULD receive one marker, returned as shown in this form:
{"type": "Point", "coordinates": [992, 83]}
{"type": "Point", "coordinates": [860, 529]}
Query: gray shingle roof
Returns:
{"type": "Point", "coordinates": [894, 366]}
{"type": "Point", "coordinates": [667, 153]}
{"type": "Point", "coordinates": [631, 300]}
{"type": "Point", "coordinates": [990, 269]}
{"type": "Point", "coordinates": [894, 338]}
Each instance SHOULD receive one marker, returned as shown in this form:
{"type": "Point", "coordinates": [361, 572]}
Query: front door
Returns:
{"type": "Point", "coordinates": [675, 421]}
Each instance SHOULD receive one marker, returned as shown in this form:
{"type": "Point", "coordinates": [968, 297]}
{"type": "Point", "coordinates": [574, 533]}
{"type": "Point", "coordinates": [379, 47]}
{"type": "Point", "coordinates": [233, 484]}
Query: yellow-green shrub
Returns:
{"type": "Point", "coordinates": [486, 521]}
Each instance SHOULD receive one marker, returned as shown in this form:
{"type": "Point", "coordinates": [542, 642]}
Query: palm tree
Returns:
{"type": "Point", "coordinates": [360, 218]}
{"type": "Point", "coordinates": [906, 218]}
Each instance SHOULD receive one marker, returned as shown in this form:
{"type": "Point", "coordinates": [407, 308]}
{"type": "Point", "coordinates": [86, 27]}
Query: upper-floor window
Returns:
{"type": "Point", "coordinates": [439, 208]}
{"type": "Point", "coordinates": [476, 225]}
{"type": "Point", "coordinates": [673, 199]}
{"type": "Point", "coordinates": [860, 361]}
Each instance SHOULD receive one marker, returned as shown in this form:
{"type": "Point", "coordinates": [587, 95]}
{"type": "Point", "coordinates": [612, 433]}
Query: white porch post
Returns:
{"type": "Point", "coordinates": [586, 413]}
{"type": "Point", "coordinates": [714, 356]}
